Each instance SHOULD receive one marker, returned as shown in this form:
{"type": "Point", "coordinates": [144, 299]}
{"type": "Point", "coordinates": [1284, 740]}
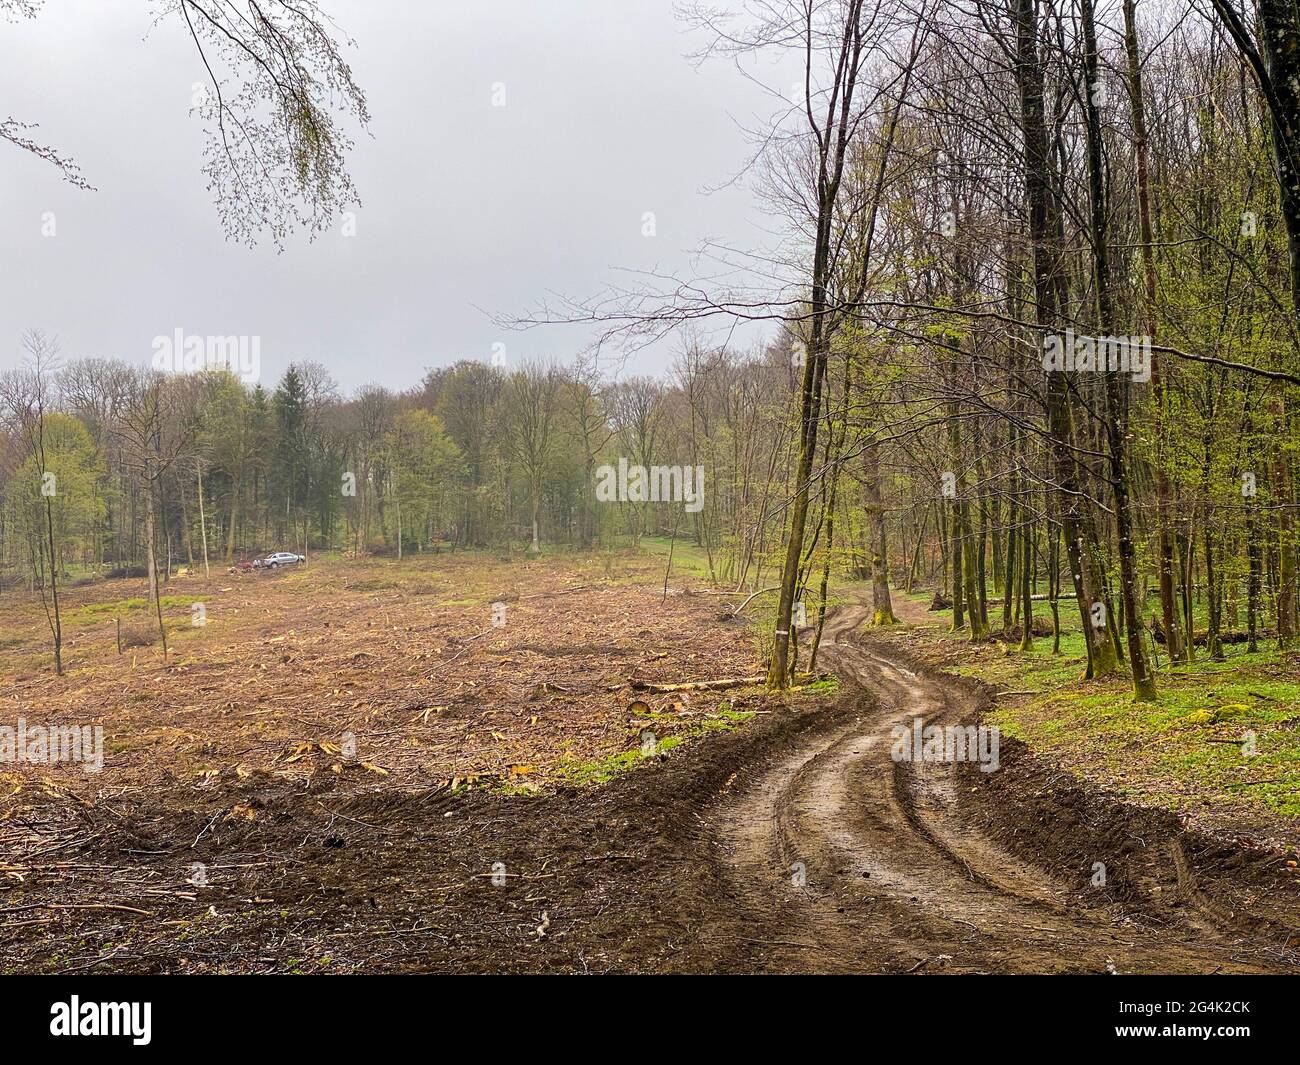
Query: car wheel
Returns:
{"type": "Point", "coordinates": [274, 565]}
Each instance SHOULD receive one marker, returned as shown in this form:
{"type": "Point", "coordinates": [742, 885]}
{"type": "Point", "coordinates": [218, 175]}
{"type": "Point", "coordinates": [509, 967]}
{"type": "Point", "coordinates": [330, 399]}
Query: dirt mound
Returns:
{"type": "Point", "coordinates": [1143, 860]}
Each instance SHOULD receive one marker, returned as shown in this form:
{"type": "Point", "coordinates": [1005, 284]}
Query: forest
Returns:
{"type": "Point", "coordinates": [936, 411]}
{"type": "Point", "coordinates": [931, 605]}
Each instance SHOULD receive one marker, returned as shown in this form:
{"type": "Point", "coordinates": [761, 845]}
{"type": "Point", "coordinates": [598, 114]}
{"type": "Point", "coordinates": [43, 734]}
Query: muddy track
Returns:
{"type": "Point", "coordinates": [687, 864]}
{"type": "Point", "coordinates": [873, 865]}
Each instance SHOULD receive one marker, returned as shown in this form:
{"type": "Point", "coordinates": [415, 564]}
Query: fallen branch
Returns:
{"type": "Point", "coordinates": [695, 685]}
{"type": "Point", "coordinates": [713, 685]}
{"type": "Point", "coordinates": [546, 595]}
{"type": "Point", "coordinates": [77, 906]}
{"type": "Point", "coordinates": [736, 613]}
{"type": "Point", "coordinates": [467, 640]}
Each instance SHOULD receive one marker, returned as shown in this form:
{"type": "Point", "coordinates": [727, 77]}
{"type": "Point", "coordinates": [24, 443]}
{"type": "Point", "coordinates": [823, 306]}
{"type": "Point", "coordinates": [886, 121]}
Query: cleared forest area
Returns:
{"type": "Point", "coordinates": [402, 658]}
{"type": "Point", "coordinates": [904, 581]}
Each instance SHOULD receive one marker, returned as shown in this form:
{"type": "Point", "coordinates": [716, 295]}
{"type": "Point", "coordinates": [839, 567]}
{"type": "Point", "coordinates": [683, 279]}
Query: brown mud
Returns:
{"type": "Point", "coordinates": [795, 844]}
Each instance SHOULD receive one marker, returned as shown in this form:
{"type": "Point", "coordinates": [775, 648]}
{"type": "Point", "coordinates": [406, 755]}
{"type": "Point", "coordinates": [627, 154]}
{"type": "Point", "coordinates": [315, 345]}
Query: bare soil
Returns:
{"type": "Point", "coordinates": [792, 844]}
{"type": "Point", "coordinates": [920, 866]}
{"type": "Point", "coordinates": [404, 657]}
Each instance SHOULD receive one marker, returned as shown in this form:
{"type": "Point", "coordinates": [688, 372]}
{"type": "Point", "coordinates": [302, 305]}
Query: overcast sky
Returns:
{"type": "Point", "coordinates": [464, 205]}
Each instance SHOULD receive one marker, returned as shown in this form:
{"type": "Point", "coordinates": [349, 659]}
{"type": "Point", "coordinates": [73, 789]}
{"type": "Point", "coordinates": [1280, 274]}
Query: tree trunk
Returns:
{"type": "Point", "coordinates": [882, 607]}
{"type": "Point", "coordinates": [151, 553]}
{"type": "Point", "coordinates": [809, 417]}
{"type": "Point", "coordinates": [1141, 143]}
{"type": "Point", "coordinates": [203, 525]}
{"type": "Point", "coordinates": [1043, 229]}
{"type": "Point", "coordinates": [56, 625]}
{"type": "Point", "coordinates": [1286, 550]}
{"type": "Point", "coordinates": [233, 521]}
{"type": "Point", "coordinates": [1116, 391]}
{"type": "Point", "coordinates": [1026, 589]}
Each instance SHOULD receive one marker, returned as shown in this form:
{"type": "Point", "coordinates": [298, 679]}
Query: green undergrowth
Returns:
{"type": "Point", "coordinates": [1220, 734]}
{"type": "Point", "coordinates": [126, 608]}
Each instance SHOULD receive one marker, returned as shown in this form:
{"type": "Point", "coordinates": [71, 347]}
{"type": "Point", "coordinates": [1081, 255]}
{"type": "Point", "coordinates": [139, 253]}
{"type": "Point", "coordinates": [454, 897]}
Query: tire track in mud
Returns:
{"type": "Point", "coordinates": [894, 879]}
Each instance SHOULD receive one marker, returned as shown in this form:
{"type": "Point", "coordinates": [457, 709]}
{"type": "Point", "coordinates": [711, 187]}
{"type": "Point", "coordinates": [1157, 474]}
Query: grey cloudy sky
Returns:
{"type": "Point", "coordinates": [463, 205]}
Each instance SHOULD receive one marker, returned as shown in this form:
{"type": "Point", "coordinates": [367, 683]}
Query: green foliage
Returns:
{"type": "Point", "coordinates": [1184, 751]}
{"type": "Point", "coordinates": [136, 606]}
{"type": "Point", "coordinates": [73, 475]}
{"type": "Point", "coordinates": [425, 467]}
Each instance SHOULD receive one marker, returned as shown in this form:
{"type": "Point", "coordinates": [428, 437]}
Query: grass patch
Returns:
{"type": "Point", "coordinates": [725, 719]}
{"type": "Point", "coordinates": [1207, 740]}
{"type": "Point", "coordinates": [688, 558]}
{"type": "Point", "coordinates": [1221, 734]}
{"type": "Point", "coordinates": [606, 769]}
{"type": "Point", "coordinates": [127, 608]}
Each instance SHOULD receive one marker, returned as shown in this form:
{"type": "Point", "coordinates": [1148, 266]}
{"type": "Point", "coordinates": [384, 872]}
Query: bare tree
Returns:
{"type": "Point", "coordinates": [154, 428]}
{"type": "Point", "coordinates": [277, 83]}
{"type": "Point", "coordinates": [590, 421]}
{"type": "Point", "coordinates": [27, 395]}
{"type": "Point", "coordinates": [532, 398]}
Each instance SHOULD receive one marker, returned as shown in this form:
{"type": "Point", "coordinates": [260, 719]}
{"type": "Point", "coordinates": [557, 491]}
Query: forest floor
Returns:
{"type": "Point", "coordinates": [404, 657]}
{"type": "Point", "coordinates": [486, 823]}
{"type": "Point", "coordinates": [1221, 747]}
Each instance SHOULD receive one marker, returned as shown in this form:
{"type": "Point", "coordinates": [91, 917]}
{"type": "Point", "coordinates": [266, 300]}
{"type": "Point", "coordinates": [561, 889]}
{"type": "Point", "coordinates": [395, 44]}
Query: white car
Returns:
{"type": "Point", "coordinates": [280, 558]}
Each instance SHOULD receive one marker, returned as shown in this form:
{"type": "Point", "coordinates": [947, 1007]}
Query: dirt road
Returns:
{"type": "Point", "coordinates": [900, 876]}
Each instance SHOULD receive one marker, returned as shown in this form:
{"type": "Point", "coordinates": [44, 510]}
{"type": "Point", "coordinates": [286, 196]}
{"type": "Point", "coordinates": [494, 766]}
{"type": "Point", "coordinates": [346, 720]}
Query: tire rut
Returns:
{"type": "Point", "coordinates": [896, 879]}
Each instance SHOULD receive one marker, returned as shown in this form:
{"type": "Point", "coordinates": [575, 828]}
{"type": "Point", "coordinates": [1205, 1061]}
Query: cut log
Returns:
{"type": "Point", "coordinates": [695, 685]}
{"type": "Point", "coordinates": [712, 685]}
{"type": "Point", "coordinates": [1228, 636]}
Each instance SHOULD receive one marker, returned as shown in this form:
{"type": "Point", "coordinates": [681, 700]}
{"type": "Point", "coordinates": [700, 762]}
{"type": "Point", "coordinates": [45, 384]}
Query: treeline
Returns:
{"type": "Point", "coordinates": [1060, 180]}
{"type": "Point", "coordinates": [110, 467]}
{"type": "Point", "coordinates": [1050, 188]}
{"type": "Point", "coordinates": [1035, 333]}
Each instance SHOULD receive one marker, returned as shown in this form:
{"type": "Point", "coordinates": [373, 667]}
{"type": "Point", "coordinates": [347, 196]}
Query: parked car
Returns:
{"type": "Point", "coordinates": [280, 558]}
